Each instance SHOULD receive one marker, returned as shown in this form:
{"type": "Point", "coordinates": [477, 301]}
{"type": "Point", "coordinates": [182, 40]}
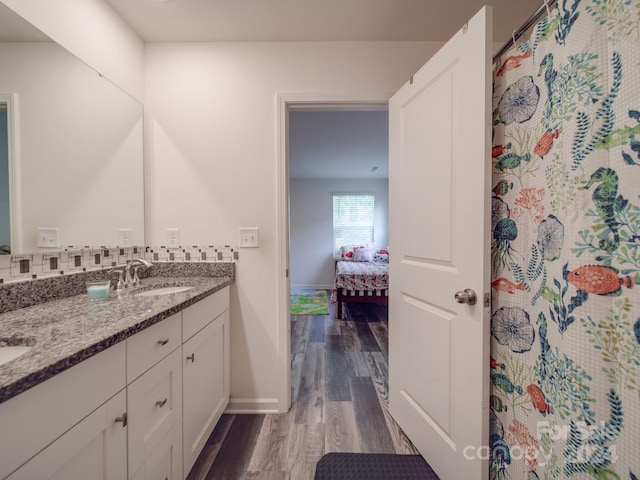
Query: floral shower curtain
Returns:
{"type": "Point", "coordinates": [565, 326]}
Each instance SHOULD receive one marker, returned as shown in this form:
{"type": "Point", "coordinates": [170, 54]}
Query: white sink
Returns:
{"type": "Point", "coordinates": [163, 291]}
{"type": "Point", "coordinates": [13, 351]}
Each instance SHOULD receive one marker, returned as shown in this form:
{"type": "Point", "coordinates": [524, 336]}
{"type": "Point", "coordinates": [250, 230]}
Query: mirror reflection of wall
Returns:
{"type": "Point", "coordinates": [79, 137]}
{"type": "Point", "coordinates": [5, 235]}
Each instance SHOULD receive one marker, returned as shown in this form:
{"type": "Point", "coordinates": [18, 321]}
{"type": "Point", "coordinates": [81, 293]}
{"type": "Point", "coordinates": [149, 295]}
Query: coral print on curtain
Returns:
{"type": "Point", "coordinates": [565, 326]}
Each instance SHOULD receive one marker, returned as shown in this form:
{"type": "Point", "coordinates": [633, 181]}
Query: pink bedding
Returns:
{"type": "Point", "coordinates": [357, 276]}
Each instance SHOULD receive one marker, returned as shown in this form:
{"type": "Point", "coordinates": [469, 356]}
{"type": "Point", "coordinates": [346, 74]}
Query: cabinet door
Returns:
{"type": "Point", "coordinates": [205, 385]}
{"type": "Point", "coordinates": [165, 462]}
{"type": "Point", "coordinates": [31, 421]}
{"type": "Point", "coordinates": [154, 405]}
{"type": "Point", "coordinates": [95, 448]}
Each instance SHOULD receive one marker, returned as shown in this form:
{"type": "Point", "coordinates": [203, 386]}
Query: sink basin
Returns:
{"type": "Point", "coordinates": [163, 291]}
{"type": "Point", "coordinates": [11, 352]}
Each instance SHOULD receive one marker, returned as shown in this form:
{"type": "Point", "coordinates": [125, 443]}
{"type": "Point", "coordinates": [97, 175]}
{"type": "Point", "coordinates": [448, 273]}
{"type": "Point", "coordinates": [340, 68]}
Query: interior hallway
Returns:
{"type": "Point", "coordinates": [339, 404]}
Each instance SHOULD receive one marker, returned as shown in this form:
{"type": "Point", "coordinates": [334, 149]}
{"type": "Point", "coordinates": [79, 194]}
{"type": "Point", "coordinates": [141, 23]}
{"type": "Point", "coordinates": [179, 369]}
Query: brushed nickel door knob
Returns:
{"type": "Point", "coordinates": [467, 296]}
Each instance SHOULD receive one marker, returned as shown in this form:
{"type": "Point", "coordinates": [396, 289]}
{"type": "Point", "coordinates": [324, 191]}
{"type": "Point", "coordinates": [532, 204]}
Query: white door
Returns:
{"type": "Point", "coordinates": [440, 137]}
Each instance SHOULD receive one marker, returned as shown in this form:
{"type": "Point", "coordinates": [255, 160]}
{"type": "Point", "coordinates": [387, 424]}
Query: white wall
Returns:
{"type": "Point", "coordinates": [211, 140]}
{"type": "Point", "coordinates": [92, 31]}
{"type": "Point", "coordinates": [311, 226]}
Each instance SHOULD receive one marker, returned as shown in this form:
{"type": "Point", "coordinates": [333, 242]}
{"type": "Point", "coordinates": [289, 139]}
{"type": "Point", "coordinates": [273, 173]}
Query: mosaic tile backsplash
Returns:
{"type": "Point", "coordinates": [15, 268]}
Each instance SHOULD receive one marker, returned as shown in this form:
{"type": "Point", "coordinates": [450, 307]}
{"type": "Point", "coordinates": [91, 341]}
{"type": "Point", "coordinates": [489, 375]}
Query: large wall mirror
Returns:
{"type": "Point", "coordinates": [71, 147]}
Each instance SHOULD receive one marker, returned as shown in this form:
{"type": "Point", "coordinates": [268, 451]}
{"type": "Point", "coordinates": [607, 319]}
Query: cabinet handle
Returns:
{"type": "Point", "coordinates": [160, 403]}
{"type": "Point", "coordinates": [123, 419]}
{"type": "Point", "coordinates": [163, 342]}
{"type": "Point", "coordinates": [192, 357]}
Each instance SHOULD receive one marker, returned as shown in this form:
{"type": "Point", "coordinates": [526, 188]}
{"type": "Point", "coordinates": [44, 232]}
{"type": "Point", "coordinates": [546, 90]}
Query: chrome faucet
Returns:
{"type": "Point", "coordinates": [133, 280]}
{"type": "Point", "coordinates": [125, 279]}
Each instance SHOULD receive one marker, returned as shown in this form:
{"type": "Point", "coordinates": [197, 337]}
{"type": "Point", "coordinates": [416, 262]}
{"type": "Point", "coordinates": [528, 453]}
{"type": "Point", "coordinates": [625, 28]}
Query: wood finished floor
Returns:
{"type": "Point", "coordinates": [339, 404]}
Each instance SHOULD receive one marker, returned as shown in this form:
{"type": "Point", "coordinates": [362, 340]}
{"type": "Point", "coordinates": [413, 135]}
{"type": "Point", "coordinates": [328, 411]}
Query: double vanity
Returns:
{"type": "Point", "coordinates": [127, 387]}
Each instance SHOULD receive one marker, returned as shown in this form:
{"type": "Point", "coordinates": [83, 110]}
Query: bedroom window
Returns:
{"type": "Point", "coordinates": [352, 218]}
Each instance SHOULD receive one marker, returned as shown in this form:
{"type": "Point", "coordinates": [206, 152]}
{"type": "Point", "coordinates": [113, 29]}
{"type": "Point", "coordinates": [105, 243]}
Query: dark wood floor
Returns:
{"type": "Point", "coordinates": [339, 404]}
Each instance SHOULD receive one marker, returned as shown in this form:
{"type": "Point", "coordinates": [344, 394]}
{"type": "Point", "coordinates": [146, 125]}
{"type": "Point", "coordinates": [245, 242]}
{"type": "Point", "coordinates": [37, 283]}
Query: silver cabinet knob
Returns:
{"type": "Point", "coordinates": [467, 296]}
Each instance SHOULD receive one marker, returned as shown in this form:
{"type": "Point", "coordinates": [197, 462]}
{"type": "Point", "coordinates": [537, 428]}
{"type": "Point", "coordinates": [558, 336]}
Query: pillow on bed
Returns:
{"type": "Point", "coordinates": [364, 254]}
{"type": "Point", "coordinates": [381, 257]}
{"type": "Point", "coordinates": [347, 252]}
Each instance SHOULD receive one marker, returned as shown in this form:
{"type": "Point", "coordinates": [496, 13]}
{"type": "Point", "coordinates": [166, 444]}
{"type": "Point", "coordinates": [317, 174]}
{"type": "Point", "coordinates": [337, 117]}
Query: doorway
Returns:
{"type": "Point", "coordinates": [286, 104]}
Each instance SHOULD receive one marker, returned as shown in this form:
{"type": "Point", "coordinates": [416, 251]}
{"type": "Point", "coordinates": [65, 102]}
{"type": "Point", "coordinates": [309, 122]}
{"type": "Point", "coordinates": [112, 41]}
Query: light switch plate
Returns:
{"type": "Point", "coordinates": [125, 237]}
{"type": "Point", "coordinates": [249, 237]}
{"type": "Point", "coordinates": [173, 237]}
{"type": "Point", "coordinates": [48, 237]}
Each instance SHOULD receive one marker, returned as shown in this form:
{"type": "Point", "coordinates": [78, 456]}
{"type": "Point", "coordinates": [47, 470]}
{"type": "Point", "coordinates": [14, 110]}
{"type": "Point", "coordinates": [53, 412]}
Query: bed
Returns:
{"type": "Point", "coordinates": [360, 280]}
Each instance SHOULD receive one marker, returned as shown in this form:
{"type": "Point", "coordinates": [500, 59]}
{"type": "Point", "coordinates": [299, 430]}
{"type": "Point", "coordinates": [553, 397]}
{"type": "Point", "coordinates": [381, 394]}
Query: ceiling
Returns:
{"type": "Point", "coordinates": [314, 20]}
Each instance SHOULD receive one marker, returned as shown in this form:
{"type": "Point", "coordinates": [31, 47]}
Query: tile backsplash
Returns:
{"type": "Point", "coordinates": [14, 268]}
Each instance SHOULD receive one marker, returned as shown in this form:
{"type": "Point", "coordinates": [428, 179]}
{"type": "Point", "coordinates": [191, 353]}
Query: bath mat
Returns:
{"type": "Point", "coordinates": [309, 302]}
{"type": "Point", "coordinates": [373, 466]}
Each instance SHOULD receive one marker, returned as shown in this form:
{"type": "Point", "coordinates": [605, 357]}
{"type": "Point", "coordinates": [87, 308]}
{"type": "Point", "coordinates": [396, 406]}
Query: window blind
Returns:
{"type": "Point", "coordinates": [352, 218]}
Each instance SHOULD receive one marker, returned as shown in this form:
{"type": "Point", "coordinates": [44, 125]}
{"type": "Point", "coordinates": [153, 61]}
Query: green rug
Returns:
{"type": "Point", "coordinates": [309, 302]}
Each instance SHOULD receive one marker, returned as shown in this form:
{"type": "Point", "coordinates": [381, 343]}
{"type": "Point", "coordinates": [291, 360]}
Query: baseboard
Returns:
{"type": "Point", "coordinates": [253, 405]}
{"type": "Point", "coordinates": [312, 287]}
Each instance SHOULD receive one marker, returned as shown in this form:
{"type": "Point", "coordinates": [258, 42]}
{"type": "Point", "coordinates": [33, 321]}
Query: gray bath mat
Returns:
{"type": "Point", "coordinates": [373, 466]}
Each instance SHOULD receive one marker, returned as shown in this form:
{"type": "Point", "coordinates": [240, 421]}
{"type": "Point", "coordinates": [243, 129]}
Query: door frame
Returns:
{"type": "Point", "coordinates": [284, 103]}
{"type": "Point", "coordinates": [10, 100]}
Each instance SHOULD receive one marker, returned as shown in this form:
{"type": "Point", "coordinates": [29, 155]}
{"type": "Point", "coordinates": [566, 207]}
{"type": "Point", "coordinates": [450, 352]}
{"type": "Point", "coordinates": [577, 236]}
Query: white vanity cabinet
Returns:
{"type": "Point", "coordinates": [205, 373]}
{"type": "Point", "coordinates": [68, 424]}
{"type": "Point", "coordinates": [140, 410]}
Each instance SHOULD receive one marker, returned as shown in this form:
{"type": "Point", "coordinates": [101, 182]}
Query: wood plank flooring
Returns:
{"type": "Point", "coordinates": [339, 404]}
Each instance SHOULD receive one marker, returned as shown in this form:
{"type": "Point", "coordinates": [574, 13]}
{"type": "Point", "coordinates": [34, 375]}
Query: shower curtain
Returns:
{"type": "Point", "coordinates": [565, 255]}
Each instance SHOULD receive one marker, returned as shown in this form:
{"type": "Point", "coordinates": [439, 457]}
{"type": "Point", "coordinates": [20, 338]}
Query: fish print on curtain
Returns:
{"type": "Point", "coordinates": [565, 256]}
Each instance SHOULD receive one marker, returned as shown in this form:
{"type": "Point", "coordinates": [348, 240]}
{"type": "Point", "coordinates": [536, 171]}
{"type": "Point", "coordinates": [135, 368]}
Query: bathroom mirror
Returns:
{"type": "Point", "coordinates": [74, 144]}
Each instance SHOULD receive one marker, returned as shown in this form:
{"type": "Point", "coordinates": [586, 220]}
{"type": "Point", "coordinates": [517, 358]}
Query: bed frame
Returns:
{"type": "Point", "coordinates": [360, 296]}
{"type": "Point", "coordinates": [353, 295]}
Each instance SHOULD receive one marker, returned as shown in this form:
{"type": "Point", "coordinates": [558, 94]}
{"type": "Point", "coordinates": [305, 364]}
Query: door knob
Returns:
{"type": "Point", "coordinates": [467, 296]}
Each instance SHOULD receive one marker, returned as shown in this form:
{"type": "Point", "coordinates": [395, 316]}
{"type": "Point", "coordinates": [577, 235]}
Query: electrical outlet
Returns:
{"type": "Point", "coordinates": [125, 237]}
{"type": "Point", "coordinates": [173, 237]}
{"type": "Point", "coordinates": [48, 237]}
{"type": "Point", "coordinates": [249, 237]}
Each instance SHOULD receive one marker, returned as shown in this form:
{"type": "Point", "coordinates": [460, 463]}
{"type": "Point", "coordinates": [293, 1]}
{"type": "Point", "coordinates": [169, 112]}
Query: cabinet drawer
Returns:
{"type": "Point", "coordinates": [146, 348]}
{"type": "Point", "coordinates": [154, 404]}
{"type": "Point", "coordinates": [32, 420]}
{"type": "Point", "coordinates": [198, 315]}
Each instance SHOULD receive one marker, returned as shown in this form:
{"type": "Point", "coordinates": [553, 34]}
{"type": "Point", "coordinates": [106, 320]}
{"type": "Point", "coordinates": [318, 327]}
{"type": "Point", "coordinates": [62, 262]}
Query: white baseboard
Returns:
{"type": "Point", "coordinates": [312, 287]}
{"type": "Point", "coordinates": [253, 405]}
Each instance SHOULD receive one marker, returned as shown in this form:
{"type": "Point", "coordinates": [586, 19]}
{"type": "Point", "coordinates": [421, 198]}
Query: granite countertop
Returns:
{"type": "Point", "coordinates": [67, 331]}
